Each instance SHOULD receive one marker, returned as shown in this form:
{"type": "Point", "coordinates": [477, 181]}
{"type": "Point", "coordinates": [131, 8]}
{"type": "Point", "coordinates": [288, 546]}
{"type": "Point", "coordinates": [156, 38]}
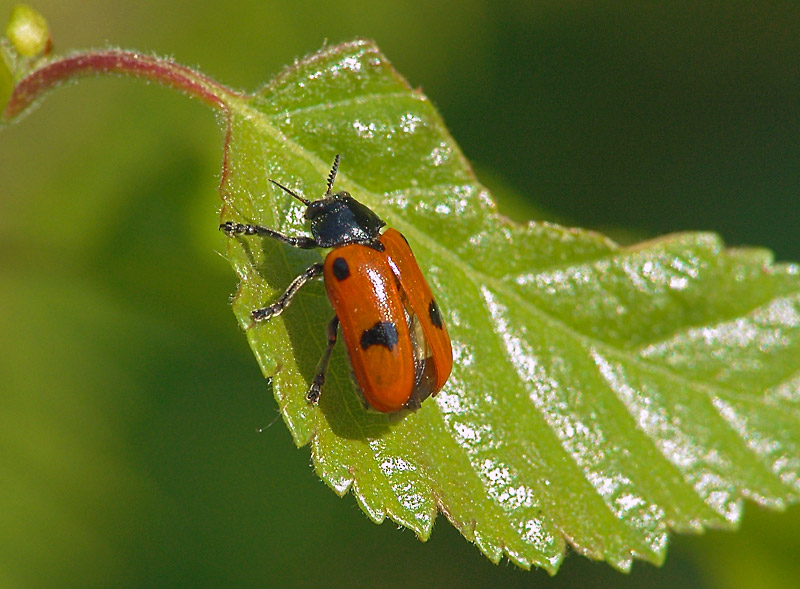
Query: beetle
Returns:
{"type": "Point", "coordinates": [397, 342]}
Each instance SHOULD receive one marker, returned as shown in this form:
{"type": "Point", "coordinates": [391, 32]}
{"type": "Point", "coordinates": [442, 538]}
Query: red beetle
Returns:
{"type": "Point", "coordinates": [397, 342]}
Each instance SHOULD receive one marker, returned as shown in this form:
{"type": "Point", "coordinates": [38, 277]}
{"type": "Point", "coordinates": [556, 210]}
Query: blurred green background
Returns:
{"type": "Point", "coordinates": [129, 401]}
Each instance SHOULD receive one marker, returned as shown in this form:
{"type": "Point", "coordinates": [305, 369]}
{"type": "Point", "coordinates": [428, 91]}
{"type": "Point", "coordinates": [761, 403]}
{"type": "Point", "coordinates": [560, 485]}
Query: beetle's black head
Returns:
{"type": "Point", "coordinates": [338, 219]}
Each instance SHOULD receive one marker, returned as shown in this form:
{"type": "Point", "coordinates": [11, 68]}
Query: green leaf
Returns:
{"type": "Point", "coordinates": [601, 395]}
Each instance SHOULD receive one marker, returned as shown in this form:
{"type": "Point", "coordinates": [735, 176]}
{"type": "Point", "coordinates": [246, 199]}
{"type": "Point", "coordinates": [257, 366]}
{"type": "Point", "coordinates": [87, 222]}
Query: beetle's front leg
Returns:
{"type": "Point", "coordinates": [303, 242]}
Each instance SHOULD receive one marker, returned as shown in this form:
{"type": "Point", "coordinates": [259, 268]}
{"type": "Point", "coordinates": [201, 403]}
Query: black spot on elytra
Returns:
{"type": "Point", "coordinates": [340, 269]}
{"type": "Point", "coordinates": [383, 333]}
{"type": "Point", "coordinates": [435, 315]}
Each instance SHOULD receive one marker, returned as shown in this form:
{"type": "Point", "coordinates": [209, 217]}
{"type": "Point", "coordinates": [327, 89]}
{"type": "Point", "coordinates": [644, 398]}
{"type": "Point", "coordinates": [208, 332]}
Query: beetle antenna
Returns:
{"type": "Point", "coordinates": [332, 175]}
{"type": "Point", "coordinates": [305, 201]}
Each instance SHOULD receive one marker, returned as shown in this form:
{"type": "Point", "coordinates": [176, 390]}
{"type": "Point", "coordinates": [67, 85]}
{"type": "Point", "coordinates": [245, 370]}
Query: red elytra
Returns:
{"type": "Point", "coordinates": [396, 339]}
{"type": "Point", "coordinates": [398, 345]}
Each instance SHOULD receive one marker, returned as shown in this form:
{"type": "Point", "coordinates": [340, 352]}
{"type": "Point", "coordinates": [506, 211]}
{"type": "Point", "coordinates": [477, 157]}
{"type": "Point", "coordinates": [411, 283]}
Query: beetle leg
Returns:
{"type": "Point", "coordinates": [303, 242]}
{"type": "Point", "coordinates": [312, 396]}
{"type": "Point", "coordinates": [278, 306]}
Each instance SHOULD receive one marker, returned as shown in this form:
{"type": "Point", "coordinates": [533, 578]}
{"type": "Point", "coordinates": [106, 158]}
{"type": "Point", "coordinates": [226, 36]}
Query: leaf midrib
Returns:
{"type": "Point", "coordinates": [360, 99]}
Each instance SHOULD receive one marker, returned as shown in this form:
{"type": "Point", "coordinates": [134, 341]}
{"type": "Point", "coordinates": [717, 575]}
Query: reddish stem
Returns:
{"type": "Point", "coordinates": [165, 71]}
